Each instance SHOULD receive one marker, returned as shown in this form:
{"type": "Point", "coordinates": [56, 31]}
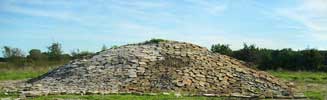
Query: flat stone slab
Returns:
{"type": "Point", "coordinates": [167, 66]}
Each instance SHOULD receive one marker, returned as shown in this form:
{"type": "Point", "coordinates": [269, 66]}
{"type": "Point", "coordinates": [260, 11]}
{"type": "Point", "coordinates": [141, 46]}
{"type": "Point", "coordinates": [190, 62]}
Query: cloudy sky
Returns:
{"type": "Point", "coordinates": [89, 24]}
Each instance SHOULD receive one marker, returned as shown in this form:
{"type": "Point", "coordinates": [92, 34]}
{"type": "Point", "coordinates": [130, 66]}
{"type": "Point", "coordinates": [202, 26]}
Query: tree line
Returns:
{"type": "Point", "coordinates": [15, 57]}
{"type": "Point", "coordinates": [260, 58]}
{"type": "Point", "coordinates": [284, 59]}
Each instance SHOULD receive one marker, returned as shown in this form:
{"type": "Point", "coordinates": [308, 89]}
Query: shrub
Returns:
{"type": "Point", "coordinates": [154, 40]}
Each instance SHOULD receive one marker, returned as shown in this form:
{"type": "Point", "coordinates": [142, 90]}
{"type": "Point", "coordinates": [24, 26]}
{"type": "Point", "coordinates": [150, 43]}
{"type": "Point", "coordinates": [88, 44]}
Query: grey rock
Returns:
{"type": "Point", "coordinates": [156, 67]}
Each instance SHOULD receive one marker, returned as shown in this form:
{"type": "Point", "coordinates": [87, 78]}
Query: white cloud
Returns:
{"type": "Point", "coordinates": [138, 23]}
{"type": "Point", "coordinates": [314, 6]}
{"type": "Point", "coordinates": [204, 36]}
{"type": "Point", "coordinates": [211, 7]}
{"type": "Point", "coordinates": [142, 4]}
{"type": "Point", "coordinates": [43, 13]}
{"type": "Point", "coordinates": [312, 14]}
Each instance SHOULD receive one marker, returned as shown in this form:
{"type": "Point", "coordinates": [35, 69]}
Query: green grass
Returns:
{"type": "Point", "coordinates": [17, 75]}
{"type": "Point", "coordinates": [312, 84]}
{"type": "Point", "coordinates": [309, 77]}
{"type": "Point", "coordinates": [316, 95]}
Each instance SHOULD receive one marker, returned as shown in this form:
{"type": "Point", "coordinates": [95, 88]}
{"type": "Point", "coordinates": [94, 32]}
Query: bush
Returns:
{"type": "Point", "coordinates": [154, 40]}
{"type": "Point", "coordinates": [222, 49]}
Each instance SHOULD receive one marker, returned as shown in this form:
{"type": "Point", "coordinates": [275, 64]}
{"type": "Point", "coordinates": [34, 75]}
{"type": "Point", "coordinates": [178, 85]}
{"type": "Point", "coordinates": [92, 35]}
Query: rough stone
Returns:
{"type": "Point", "coordinates": [155, 68]}
{"type": "Point", "coordinates": [31, 93]}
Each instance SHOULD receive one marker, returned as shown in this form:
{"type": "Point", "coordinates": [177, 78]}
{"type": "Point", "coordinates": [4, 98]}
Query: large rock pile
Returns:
{"type": "Point", "coordinates": [167, 66]}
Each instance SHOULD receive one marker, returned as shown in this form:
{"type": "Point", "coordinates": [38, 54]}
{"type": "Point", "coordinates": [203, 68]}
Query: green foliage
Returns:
{"type": "Point", "coordinates": [154, 40]}
{"type": "Point", "coordinates": [2, 59]}
{"type": "Point", "coordinates": [79, 55]}
{"type": "Point", "coordinates": [305, 60]}
{"type": "Point", "coordinates": [55, 51]}
{"type": "Point", "coordinates": [12, 52]}
{"type": "Point", "coordinates": [265, 59]}
{"type": "Point", "coordinates": [222, 49]}
{"type": "Point", "coordinates": [104, 47]}
{"type": "Point", "coordinates": [284, 59]}
{"type": "Point", "coordinates": [36, 55]}
{"type": "Point", "coordinates": [313, 60]}
{"type": "Point", "coordinates": [14, 56]}
{"type": "Point", "coordinates": [247, 53]}
{"type": "Point", "coordinates": [113, 47]}
{"type": "Point", "coordinates": [261, 58]}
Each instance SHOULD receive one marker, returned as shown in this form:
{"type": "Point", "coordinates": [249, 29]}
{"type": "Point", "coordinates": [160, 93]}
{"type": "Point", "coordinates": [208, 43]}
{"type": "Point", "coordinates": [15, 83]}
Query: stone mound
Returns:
{"type": "Point", "coordinates": [167, 66]}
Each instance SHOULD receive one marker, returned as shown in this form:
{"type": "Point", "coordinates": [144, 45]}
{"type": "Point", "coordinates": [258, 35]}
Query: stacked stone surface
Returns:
{"type": "Point", "coordinates": [167, 66]}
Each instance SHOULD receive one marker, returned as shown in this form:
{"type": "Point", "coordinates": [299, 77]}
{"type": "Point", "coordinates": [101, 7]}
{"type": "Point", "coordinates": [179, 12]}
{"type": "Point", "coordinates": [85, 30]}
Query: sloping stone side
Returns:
{"type": "Point", "coordinates": [168, 66]}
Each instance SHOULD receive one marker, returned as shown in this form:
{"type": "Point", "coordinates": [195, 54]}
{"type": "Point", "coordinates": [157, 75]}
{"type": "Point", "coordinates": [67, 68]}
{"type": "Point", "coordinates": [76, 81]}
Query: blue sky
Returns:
{"type": "Point", "coordinates": [89, 24]}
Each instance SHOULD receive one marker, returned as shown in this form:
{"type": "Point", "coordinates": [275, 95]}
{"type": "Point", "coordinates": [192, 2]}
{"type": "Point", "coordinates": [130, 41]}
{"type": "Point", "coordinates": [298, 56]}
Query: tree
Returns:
{"type": "Point", "coordinates": [12, 52]}
{"type": "Point", "coordinates": [222, 49]}
{"type": "Point", "coordinates": [155, 41]}
{"type": "Point", "coordinates": [36, 55]}
{"type": "Point", "coordinates": [104, 47]}
{"type": "Point", "coordinates": [7, 52]}
{"type": "Point", "coordinates": [324, 54]}
{"type": "Point", "coordinates": [313, 60]}
{"type": "Point", "coordinates": [55, 51]}
{"type": "Point", "coordinates": [265, 59]}
{"type": "Point", "coordinates": [113, 47]}
{"type": "Point", "coordinates": [2, 59]}
{"type": "Point", "coordinates": [247, 53]}
{"type": "Point", "coordinates": [79, 55]}
{"type": "Point", "coordinates": [14, 56]}
{"type": "Point", "coordinates": [285, 59]}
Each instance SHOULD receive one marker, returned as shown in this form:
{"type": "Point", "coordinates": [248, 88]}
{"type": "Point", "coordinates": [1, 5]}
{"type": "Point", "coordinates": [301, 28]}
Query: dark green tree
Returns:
{"type": "Point", "coordinates": [222, 49]}
{"type": "Point", "coordinates": [312, 60]}
{"type": "Point", "coordinates": [36, 55]}
{"type": "Point", "coordinates": [9, 52]}
{"type": "Point", "coordinates": [265, 59]}
{"type": "Point", "coordinates": [247, 53]}
{"type": "Point", "coordinates": [285, 59]}
{"type": "Point", "coordinates": [104, 47]}
{"type": "Point", "coordinates": [324, 54]}
{"type": "Point", "coordinates": [155, 41]}
{"type": "Point", "coordinates": [14, 56]}
{"type": "Point", "coordinates": [79, 55]}
{"type": "Point", "coordinates": [113, 47]}
{"type": "Point", "coordinates": [55, 51]}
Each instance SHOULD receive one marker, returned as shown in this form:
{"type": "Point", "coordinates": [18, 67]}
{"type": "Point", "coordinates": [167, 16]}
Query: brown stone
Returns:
{"type": "Point", "coordinates": [187, 81]}
{"type": "Point", "coordinates": [159, 67]}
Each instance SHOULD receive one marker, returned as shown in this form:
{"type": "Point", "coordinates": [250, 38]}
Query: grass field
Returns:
{"type": "Point", "coordinates": [307, 77]}
{"type": "Point", "coordinates": [22, 73]}
{"type": "Point", "coordinates": [17, 75]}
{"type": "Point", "coordinates": [312, 84]}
